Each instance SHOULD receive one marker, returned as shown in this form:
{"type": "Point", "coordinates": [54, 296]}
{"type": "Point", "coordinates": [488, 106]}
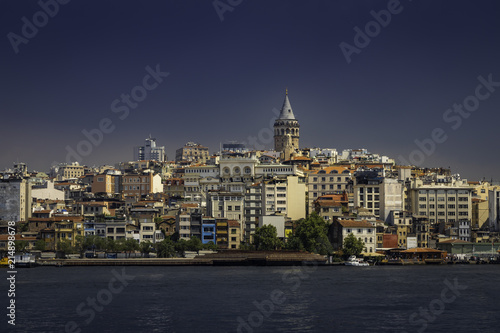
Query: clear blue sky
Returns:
{"type": "Point", "coordinates": [225, 77]}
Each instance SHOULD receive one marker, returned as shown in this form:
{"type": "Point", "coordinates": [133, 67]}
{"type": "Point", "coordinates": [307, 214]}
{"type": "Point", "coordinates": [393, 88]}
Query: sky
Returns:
{"type": "Point", "coordinates": [418, 81]}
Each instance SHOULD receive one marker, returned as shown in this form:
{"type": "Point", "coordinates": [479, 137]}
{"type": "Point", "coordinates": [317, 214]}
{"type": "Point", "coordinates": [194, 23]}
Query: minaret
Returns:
{"type": "Point", "coordinates": [286, 131]}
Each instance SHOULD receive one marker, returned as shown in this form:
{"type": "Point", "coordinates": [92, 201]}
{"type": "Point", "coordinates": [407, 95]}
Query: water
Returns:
{"type": "Point", "coordinates": [223, 299]}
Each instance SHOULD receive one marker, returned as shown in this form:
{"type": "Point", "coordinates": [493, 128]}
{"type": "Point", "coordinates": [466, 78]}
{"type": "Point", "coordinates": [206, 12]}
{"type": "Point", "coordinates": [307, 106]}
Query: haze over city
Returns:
{"type": "Point", "coordinates": [228, 69]}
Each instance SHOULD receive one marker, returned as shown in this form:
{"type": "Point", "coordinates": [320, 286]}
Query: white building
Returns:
{"type": "Point", "coordinates": [149, 152]}
{"type": "Point", "coordinates": [278, 221]}
{"type": "Point", "coordinates": [46, 191]}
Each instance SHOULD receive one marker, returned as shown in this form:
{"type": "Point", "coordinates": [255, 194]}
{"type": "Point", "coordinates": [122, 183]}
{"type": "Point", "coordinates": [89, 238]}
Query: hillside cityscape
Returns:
{"type": "Point", "coordinates": [219, 200]}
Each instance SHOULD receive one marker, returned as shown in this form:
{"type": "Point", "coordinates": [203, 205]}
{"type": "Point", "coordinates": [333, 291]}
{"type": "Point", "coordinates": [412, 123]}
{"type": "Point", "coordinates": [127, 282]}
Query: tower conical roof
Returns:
{"type": "Point", "coordinates": [286, 110]}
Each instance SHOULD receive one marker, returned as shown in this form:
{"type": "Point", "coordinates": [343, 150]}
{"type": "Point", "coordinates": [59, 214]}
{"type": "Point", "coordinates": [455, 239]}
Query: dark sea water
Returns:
{"type": "Point", "coordinates": [227, 299]}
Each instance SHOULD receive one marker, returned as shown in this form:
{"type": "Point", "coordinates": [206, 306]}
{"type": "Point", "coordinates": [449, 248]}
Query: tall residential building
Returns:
{"type": "Point", "coordinates": [192, 152]}
{"type": "Point", "coordinates": [15, 199]}
{"type": "Point", "coordinates": [331, 180]}
{"type": "Point", "coordinates": [443, 202]}
{"type": "Point", "coordinates": [380, 195]}
{"type": "Point", "coordinates": [107, 182]}
{"type": "Point", "coordinates": [285, 195]}
{"type": "Point", "coordinates": [494, 209]}
{"type": "Point", "coordinates": [286, 131]}
{"type": "Point", "coordinates": [150, 152]}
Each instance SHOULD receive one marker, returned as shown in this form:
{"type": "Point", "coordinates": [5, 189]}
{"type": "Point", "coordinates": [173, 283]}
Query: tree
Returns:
{"type": "Point", "coordinates": [194, 244]}
{"type": "Point", "coordinates": [266, 238]}
{"type": "Point", "coordinates": [210, 246]}
{"type": "Point", "coordinates": [181, 245]}
{"type": "Point", "coordinates": [81, 245]}
{"type": "Point", "coordinates": [294, 243]}
{"type": "Point", "coordinates": [165, 248]}
{"type": "Point", "coordinates": [110, 245]}
{"type": "Point", "coordinates": [40, 245]}
{"type": "Point", "coordinates": [129, 245]}
{"type": "Point", "coordinates": [352, 246]}
{"type": "Point", "coordinates": [146, 247]}
{"type": "Point", "coordinates": [64, 246]}
{"type": "Point", "coordinates": [20, 245]}
{"type": "Point", "coordinates": [312, 234]}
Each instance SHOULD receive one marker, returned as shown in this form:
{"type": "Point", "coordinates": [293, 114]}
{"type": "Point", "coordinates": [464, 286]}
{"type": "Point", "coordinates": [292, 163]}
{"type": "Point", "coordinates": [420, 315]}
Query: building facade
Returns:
{"type": "Point", "coordinates": [150, 152]}
{"type": "Point", "coordinates": [192, 152]}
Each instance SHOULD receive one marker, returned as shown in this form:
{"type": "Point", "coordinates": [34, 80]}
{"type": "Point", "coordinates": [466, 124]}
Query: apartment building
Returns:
{"type": "Point", "coordinates": [330, 180]}
{"type": "Point", "coordinates": [192, 152]}
{"type": "Point", "coordinates": [379, 194]}
{"type": "Point", "coordinates": [15, 199]}
{"type": "Point", "coordinates": [150, 152]}
{"type": "Point", "coordinates": [107, 183]}
{"type": "Point", "coordinates": [442, 202]}
{"type": "Point", "coordinates": [363, 230]}
{"type": "Point", "coordinates": [141, 184]}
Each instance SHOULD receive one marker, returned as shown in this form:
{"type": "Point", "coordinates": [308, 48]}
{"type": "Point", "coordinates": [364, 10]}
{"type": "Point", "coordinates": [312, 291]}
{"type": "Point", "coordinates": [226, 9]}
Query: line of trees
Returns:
{"type": "Point", "coordinates": [311, 235]}
{"type": "Point", "coordinates": [171, 246]}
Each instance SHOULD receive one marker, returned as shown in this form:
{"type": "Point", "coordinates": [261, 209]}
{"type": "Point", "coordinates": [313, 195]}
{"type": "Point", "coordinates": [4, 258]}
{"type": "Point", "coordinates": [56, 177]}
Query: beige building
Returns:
{"type": "Point", "coordinates": [140, 184]}
{"type": "Point", "coordinates": [192, 152]}
{"type": "Point", "coordinates": [363, 230]}
{"type": "Point", "coordinates": [330, 180]}
{"type": "Point", "coordinates": [69, 171]}
{"type": "Point", "coordinates": [234, 234]}
{"type": "Point", "coordinates": [285, 195]}
{"type": "Point", "coordinates": [331, 206]}
{"type": "Point", "coordinates": [226, 204]}
{"type": "Point", "coordinates": [447, 202]}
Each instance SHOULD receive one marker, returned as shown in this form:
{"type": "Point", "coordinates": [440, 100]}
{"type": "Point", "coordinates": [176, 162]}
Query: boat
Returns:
{"type": "Point", "coordinates": [353, 261]}
{"type": "Point", "coordinates": [4, 262]}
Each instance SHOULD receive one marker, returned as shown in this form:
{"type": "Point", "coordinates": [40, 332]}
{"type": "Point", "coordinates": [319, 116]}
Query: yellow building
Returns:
{"type": "Point", "coordinates": [234, 236]}
{"type": "Point", "coordinates": [222, 233]}
{"type": "Point", "coordinates": [68, 230]}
